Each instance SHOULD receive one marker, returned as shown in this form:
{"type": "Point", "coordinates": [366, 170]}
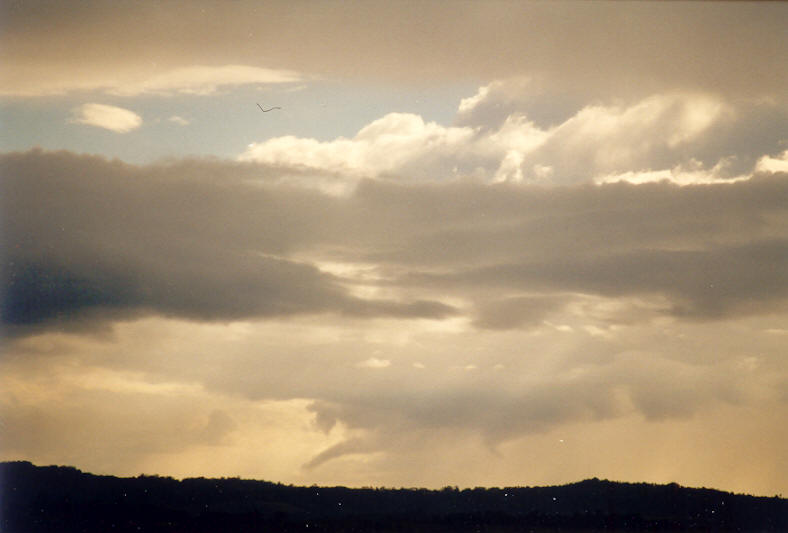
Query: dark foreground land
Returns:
{"type": "Point", "coordinates": [63, 499]}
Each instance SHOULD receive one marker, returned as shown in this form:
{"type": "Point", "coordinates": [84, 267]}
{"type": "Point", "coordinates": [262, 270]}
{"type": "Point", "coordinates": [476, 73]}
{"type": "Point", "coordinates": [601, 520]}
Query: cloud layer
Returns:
{"type": "Point", "coordinates": [594, 48]}
{"type": "Point", "coordinates": [214, 241]}
{"type": "Point", "coordinates": [458, 312]}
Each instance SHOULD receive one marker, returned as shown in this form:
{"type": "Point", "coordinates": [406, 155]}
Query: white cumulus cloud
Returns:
{"type": "Point", "coordinates": [601, 142]}
{"type": "Point", "coordinates": [396, 143]}
{"type": "Point", "coordinates": [109, 117]}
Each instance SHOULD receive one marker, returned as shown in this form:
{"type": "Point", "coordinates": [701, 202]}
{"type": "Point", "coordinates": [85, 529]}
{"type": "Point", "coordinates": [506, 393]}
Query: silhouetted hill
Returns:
{"type": "Point", "coordinates": [63, 499]}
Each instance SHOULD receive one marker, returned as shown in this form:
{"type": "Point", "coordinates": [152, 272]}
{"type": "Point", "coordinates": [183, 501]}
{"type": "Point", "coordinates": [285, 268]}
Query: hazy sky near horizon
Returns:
{"type": "Point", "coordinates": [482, 243]}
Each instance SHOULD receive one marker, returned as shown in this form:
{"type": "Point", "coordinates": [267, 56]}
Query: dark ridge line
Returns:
{"type": "Point", "coordinates": [66, 500]}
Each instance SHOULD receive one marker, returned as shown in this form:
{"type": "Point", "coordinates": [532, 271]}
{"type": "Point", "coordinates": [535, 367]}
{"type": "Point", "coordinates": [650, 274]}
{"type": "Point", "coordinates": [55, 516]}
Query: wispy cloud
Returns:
{"type": "Point", "coordinates": [178, 120]}
{"type": "Point", "coordinates": [109, 117]}
{"type": "Point", "coordinates": [135, 81]}
{"type": "Point", "coordinates": [203, 80]}
{"type": "Point", "coordinates": [374, 362]}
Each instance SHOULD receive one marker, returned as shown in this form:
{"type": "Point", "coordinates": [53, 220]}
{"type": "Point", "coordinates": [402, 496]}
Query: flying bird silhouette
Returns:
{"type": "Point", "coordinates": [267, 110]}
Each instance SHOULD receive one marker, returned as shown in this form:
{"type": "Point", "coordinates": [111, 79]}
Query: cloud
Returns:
{"type": "Point", "coordinates": [169, 240]}
{"type": "Point", "coordinates": [701, 284]}
{"type": "Point", "coordinates": [602, 48]}
{"type": "Point", "coordinates": [212, 240]}
{"type": "Point", "coordinates": [339, 450]}
{"type": "Point", "coordinates": [149, 426]}
{"type": "Point", "coordinates": [108, 117]}
{"type": "Point", "coordinates": [374, 362]}
{"type": "Point", "coordinates": [515, 312]}
{"type": "Point", "coordinates": [593, 251]}
{"type": "Point", "coordinates": [603, 139]}
{"type": "Point", "coordinates": [500, 407]}
{"type": "Point", "coordinates": [696, 174]}
{"type": "Point", "coordinates": [656, 377]}
{"type": "Point", "coordinates": [200, 80]}
{"type": "Point", "coordinates": [175, 119]}
{"type": "Point", "coordinates": [546, 104]}
{"type": "Point", "coordinates": [613, 135]}
{"type": "Point", "coordinates": [600, 301]}
{"type": "Point", "coordinates": [773, 164]}
{"type": "Point", "coordinates": [397, 143]}
{"type": "Point", "coordinates": [175, 423]}
{"type": "Point", "coordinates": [651, 139]}
{"type": "Point", "coordinates": [203, 80]}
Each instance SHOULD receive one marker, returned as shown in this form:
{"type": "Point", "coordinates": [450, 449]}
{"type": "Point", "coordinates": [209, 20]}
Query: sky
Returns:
{"type": "Point", "coordinates": [480, 244]}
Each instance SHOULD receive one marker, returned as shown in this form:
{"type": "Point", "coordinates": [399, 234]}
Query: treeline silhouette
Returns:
{"type": "Point", "coordinates": [63, 499]}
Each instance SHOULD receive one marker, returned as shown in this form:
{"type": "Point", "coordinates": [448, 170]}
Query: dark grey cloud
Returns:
{"type": "Point", "coordinates": [84, 237]}
{"type": "Point", "coordinates": [212, 240]}
{"type": "Point", "coordinates": [464, 221]}
{"type": "Point", "coordinates": [701, 283]}
{"type": "Point", "coordinates": [712, 251]}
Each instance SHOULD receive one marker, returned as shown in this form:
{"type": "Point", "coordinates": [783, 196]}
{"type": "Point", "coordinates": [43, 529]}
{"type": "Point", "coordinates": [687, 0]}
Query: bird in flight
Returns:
{"type": "Point", "coordinates": [267, 110]}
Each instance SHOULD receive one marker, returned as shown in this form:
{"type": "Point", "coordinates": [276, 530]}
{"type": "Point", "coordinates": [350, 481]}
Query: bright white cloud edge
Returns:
{"type": "Point", "coordinates": [599, 143]}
